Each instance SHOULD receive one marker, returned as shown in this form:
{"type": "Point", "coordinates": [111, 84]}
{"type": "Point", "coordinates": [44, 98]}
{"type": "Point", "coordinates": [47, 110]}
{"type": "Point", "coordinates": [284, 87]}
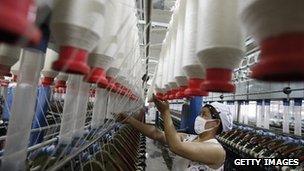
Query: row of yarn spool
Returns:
{"type": "Point", "coordinates": [205, 43]}
{"type": "Point", "coordinates": [283, 38]}
{"type": "Point", "coordinates": [203, 47]}
{"type": "Point", "coordinates": [98, 44]}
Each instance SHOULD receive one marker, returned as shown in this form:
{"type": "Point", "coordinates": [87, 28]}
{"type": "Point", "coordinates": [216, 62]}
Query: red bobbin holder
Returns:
{"type": "Point", "coordinates": [181, 92]}
{"type": "Point", "coordinates": [72, 60]}
{"type": "Point", "coordinates": [47, 81]}
{"type": "Point", "coordinates": [281, 59]}
{"type": "Point", "coordinates": [160, 96]}
{"type": "Point", "coordinates": [119, 88]}
{"type": "Point", "coordinates": [111, 84]}
{"type": "Point", "coordinates": [218, 80]}
{"type": "Point", "coordinates": [98, 76]}
{"type": "Point", "coordinates": [194, 88]}
{"type": "Point", "coordinates": [60, 84]}
{"type": "Point", "coordinates": [173, 94]}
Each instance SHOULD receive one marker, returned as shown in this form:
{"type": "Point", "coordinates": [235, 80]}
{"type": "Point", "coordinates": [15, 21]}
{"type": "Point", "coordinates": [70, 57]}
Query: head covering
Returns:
{"type": "Point", "coordinates": [225, 115]}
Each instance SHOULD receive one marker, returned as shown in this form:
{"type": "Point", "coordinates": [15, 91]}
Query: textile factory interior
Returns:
{"type": "Point", "coordinates": [151, 85]}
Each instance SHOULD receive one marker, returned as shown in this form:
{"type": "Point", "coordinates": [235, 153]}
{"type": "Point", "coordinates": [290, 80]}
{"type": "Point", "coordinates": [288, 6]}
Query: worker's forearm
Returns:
{"type": "Point", "coordinates": [171, 134]}
{"type": "Point", "coordinates": [148, 130]}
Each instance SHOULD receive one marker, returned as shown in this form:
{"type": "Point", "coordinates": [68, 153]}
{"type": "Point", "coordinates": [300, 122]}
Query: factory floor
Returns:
{"type": "Point", "coordinates": [155, 160]}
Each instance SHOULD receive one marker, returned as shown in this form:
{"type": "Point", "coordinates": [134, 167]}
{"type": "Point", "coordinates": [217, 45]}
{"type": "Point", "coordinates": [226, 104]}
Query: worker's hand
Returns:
{"type": "Point", "coordinates": [122, 118]}
{"type": "Point", "coordinates": [162, 106]}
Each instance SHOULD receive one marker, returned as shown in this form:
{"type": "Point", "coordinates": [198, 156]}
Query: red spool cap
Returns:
{"type": "Point", "coordinates": [160, 96]}
{"type": "Point", "coordinates": [165, 96]}
{"type": "Point", "coordinates": [14, 24]}
{"type": "Point", "coordinates": [173, 94]}
{"type": "Point", "coordinates": [47, 81]}
{"type": "Point", "coordinates": [111, 84]}
{"type": "Point", "coordinates": [5, 70]}
{"type": "Point", "coordinates": [119, 88]}
{"type": "Point", "coordinates": [180, 92]}
{"type": "Point", "coordinates": [218, 80]}
{"type": "Point", "coordinates": [281, 58]}
{"type": "Point", "coordinates": [97, 75]}
{"type": "Point", "coordinates": [194, 88]}
{"type": "Point", "coordinates": [72, 60]}
{"type": "Point", "coordinates": [60, 84]}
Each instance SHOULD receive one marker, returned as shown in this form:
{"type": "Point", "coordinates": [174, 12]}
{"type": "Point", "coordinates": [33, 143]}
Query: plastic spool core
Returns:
{"type": "Point", "coordinates": [14, 24]}
{"type": "Point", "coordinates": [5, 70]}
{"type": "Point", "coordinates": [97, 75]}
{"type": "Point", "coordinates": [218, 80]}
{"type": "Point", "coordinates": [281, 59]}
{"type": "Point", "coordinates": [72, 60]}
{"type": "Point", "coordinates": [47, 81]}
{"type": "Point", "coordinates": [194, 88]}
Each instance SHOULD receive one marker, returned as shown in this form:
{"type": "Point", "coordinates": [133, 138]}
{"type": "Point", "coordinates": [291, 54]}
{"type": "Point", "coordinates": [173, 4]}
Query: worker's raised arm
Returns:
{"type": "Point", "coordinates": [148, 130]}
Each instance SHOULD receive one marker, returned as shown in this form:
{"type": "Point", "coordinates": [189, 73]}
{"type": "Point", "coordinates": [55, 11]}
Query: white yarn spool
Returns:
{"type": "Point", "coordinates": [48, 73]}
{"type": "Point", "coordinates": [179, 74]}
{"type": "Point", "coordinates": [9, 55]}
{"type": "Point", "coordinates": [104, 54]}
{"type": "Point", "coordinates": [278, 26]}
{"type": "Point", "coordinates": [173, 29]}
{"type": "Point", "coordinates": [76, 26]}
{"type": "Point", "coordinates": [191, 66]}
{"type": "Point", "coordinates": [220, 43]}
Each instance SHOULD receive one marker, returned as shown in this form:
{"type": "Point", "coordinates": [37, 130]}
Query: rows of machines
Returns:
{"type": "Point", "coordinates": [248, 143]}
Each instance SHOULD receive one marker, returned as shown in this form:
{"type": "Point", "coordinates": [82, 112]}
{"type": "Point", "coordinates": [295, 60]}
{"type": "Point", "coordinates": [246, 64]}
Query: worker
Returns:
{"type": "Point", "coordinates": [201, 152]}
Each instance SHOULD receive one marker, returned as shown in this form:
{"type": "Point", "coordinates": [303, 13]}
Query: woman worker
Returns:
{"type": "Point", "coordinates": [201, 152]}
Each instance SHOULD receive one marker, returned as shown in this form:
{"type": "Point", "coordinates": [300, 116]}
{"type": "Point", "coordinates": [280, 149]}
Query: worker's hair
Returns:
{"type": "Point", "coordinates": [215, 115]}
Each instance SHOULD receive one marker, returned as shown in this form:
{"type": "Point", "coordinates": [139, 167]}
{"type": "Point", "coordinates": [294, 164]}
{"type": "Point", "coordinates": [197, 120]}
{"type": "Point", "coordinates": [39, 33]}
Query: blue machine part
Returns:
{"type": "Point", "coordinates": [194, 111]}
{"type": "Point", "coordinates": [8, 103]}
{"type": "Point", "coordinates": [39, 120]}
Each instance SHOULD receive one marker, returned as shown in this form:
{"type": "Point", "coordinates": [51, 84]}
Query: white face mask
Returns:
{"type": "Point", "coordinates": [200, 124]}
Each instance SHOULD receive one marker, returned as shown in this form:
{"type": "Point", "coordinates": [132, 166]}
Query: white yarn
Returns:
{"type": "Point", "coordinates": [158, 75]}
{"type": "Point", "coordinates": [178, 71]}
{"type": "Point", "coordinates": [9, 55]}
{"type": "Point", "coordinates": [181, 81]}
{"type": "Point", "coordinates": [166, 65]}
{"type": "Point", "coordinates": [15, 68]}
{"type": "Point", "coordinates": [78, 23]}
{"type": "Point", "coordinates": [172, 57]}
{"type": "Point", "coordinates": [263, 19]}
{"type": "Point", "coordinates": [50, 57]}
{"type": "Point", "coordinates": [173, 85]}
{"type": "Point", "coordinates": [191, 65]}
{"type": "Point", "coordinates": [220, 43]}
